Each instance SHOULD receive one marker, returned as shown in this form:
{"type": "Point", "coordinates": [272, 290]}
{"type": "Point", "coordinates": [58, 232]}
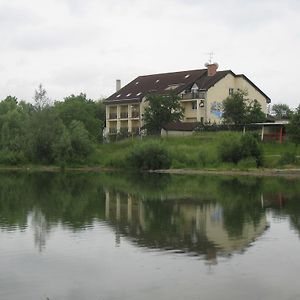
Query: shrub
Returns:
{"type": "Point", "coordinates": [287, 158]}
{"type": "Point", "coordinates": [247, 163]}
{"type": "Point", "coordinates": [80, 141]}
{"type": "Point", "coordinates": [149, 156]}
{"type": "Point", "coordinates": [233, 148]}
{"type": "Point", "coordinates": [251, 148]}
{"type": "Point", "coordinates": [229, 148]}
{"type": "Point", "coordinates": [12, 158]}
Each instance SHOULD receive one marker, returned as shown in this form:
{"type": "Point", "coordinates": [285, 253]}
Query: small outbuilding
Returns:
{"type": "Point", "coordinates": [179, 129]}
{"type": "Point", "coordinates": [275, 131]}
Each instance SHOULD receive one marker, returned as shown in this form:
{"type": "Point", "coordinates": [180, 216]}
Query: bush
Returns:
{"type": "Point", "coordinates": [12, 158]}
{"type": "Point", "coordinates": [251, 148]}
{"type": "Point", "coordinates": [149, 156]}
{"type": "Point", "coordinates": [247, 163]}
{"type": "Point", "coordinates": [80, 141]}
{"type": "Point", "coordinates": [288, 158]}
{"type": "Point", "coordinates": [233, 148]}
{"type": "Point", "coordinates": [229, 148]}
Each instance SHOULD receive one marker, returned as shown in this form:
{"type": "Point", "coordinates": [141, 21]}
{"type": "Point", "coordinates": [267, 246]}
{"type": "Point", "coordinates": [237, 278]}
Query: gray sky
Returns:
{"type": "Point", "coordinates": [73, 46]}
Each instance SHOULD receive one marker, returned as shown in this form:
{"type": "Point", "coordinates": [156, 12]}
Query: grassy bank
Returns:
{"type": "Point", "coordinates": [197, 152]}
{"type": "Point", "coordinates": [193, 152]}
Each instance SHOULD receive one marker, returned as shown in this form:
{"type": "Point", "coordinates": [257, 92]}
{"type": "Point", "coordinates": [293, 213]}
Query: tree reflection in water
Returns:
{"type": "Point", "coordinates": [195, 215]}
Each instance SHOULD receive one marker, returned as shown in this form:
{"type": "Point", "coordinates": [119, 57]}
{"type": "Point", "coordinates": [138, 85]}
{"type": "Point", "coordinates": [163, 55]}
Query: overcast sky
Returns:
{"type": "Point", "coordinates": [73, 46]}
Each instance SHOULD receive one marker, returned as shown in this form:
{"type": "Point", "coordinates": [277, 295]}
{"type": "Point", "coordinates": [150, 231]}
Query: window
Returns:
{"type": "Point", "coordinates": [231, 91]}
{"type": "Point", "coordinates": [194, 105]}
{"type": "Point", "coordinates": [172, 87]}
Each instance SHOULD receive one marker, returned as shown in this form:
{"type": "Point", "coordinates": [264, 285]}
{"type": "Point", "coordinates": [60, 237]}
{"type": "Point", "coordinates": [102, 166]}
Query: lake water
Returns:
{"type": "Point", "coordinates": [114, 236]}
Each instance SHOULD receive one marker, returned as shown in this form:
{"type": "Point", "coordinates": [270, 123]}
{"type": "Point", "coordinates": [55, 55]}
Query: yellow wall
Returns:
{"type": "Point", "coordinates": [189, 113]}
{"type": "Point", "coordinates": [124, 122]}
{"type": "Point", "coordinates": [220, 91]}
{"type": "Point", "coordinates": [214, 98]}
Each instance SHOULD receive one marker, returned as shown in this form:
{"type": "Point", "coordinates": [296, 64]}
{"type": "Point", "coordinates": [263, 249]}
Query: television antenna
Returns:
{"type": "Point", "coordinates": [211, 56]}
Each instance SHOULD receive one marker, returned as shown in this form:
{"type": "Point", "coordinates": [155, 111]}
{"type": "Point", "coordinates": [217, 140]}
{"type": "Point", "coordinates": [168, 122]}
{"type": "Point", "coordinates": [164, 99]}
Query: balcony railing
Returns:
{"type": "Point", "coordinates": [113, 115]}
{"type": "Point", "coordinates": [124, 115]}
{"type": "Point", "coordinates": [124, 130]}
{"type": "Point", "coordinates": [135, 130]}
{"type": "Point", "coordinates": [195, 95]}
{"type": "Point", "coordinates": [135, 114]}
{"type": "Point", "coordinates": [113, 130]}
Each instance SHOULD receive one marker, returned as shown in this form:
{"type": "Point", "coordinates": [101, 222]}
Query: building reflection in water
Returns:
{"type": "Point", "coordinates": [183, 226]}
{"type": "Point", "coordinates": [41, 229]}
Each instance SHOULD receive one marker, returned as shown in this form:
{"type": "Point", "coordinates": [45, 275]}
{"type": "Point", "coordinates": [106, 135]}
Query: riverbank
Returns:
{"type": "Point", "coordinates": [234, 172]}
{"type": "Point", "coordinates": [196, 154]}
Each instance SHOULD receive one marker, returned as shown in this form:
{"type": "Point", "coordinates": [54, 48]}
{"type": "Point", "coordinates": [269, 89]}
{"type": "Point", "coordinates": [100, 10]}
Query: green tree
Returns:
{"type": "Point", "coordinates": [62, 147]}
{"type": "Point", "coordinates": [41, 99]}
{"type": "Point", "coordinates": [12, 120]}
{"type": "Point", "coordinates": [281, 110]}
{"type": "Point", "coordinates": [239, 110]}
{"type": "Point", "coordinates": [254, 114]}
{"type": "Point", "coordinates": [161, 110]}
{"type": "Point", "coordinates": [44, 130]}
{"type": "Point", "coordinates": [80, 108]}
{"type": "Point", "coordinates": [235, 108]}
{"type": "Point", "coordinates": [80, 141]}
{"type": "Point", "coordinates": [293, 128]}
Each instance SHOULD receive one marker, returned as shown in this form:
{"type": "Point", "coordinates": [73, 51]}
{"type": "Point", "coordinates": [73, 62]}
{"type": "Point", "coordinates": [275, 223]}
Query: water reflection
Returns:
{"type": "Point", "coordinates": [195, 215]}
{"type": "Point", "coordinates": [186, 226]}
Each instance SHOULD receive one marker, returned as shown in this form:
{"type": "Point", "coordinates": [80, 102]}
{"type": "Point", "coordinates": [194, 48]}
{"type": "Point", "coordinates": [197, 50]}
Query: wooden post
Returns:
{"type": "Point", "coordinates": [107, 200]}
{"type": "Point", "coordinates": [262, 132]}
{"type": "Point", "coordinates": [129, 209]}
{"type": "Point", "coordinates": [118, 207]}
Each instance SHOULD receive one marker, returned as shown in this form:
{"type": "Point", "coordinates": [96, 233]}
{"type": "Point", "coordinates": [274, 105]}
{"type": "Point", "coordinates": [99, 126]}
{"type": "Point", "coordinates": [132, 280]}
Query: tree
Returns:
{"type": "Point", "coordinates": [43, 132]}
{"type": "Point", "coordinates": [80, 141]}
{"type": "Point", "coordinates": [80, 108]}
{"type": "Point", "coordinates": [41, 99]}
{"type": "Point", "coordinates": [293, 127]}
{"type": "Point", "coordinates": [161, 110]}
{"type": "Point", "coordinates": [234, 108]}
{"type": "Point", "coordinates": [281, 111]}
{"type": "Point", "coordinates": [254, 114]}
{"type": "Point", "coordinates": [239, 110]}
{"type": "Point", "coordinates": [12, 120]}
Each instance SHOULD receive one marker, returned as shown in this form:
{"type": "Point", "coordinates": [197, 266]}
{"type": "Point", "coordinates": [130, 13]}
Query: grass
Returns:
{"type": "Point", "coordinates": [199, 151]}
{"type": "Point", "coordinates": [193, 152]}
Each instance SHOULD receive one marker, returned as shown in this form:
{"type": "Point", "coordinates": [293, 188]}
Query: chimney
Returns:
{"type": "Point", "coordinates": [211, 69]}
{"type": "Point", "coordinates": [118, 85]}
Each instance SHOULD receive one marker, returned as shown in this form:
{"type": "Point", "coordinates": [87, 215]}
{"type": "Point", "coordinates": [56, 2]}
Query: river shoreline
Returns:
{"type": "Point", "coordinates": [234, 172]}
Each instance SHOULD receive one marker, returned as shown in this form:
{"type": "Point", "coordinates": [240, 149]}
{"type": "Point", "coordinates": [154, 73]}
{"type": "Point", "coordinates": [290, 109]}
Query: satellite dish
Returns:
{"type": "Point", "coordinates": [206, 65]}
{"type": "Point", "coordinates": [217, 65]}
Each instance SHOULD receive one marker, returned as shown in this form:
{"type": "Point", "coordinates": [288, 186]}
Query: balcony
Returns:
{"type": "Point", "coordinates": [124, 130]}
{"type": "Point", "coordinates": [112, 116]}
{"type": "Point", "coordinates": [135, 130]}
{"type": "Point", "coordinates": [124, 115]}
{"type": "Point", "coordinates": [135, 114]}
{"type": "Point", "coordinates": [193, 95]}
{"type": "Point", "coordinates": [113, 130]}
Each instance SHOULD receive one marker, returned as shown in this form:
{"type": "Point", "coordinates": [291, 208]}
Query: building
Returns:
{"type": "Point", "coordinates": [201, 91]}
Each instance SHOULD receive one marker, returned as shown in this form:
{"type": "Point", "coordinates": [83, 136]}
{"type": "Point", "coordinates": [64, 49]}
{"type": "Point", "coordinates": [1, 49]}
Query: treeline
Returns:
{"type": "Point", "coordinates": [49, 133]}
